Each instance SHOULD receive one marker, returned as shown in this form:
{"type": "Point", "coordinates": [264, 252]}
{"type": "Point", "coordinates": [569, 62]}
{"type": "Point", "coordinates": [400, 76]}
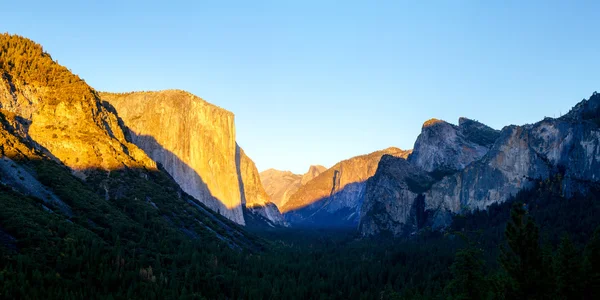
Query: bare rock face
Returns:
{"type": "Point", "coordinates": [334, 198]}
{"type": "Point", "coordinates": [281, 185]}
{"type": "Point", "coordinates": [386, 208]}
{"type": "Point", "coordinates": [313, 172]}
{"type": "Point", "coordinates": [61, 114]}
{"type": "Point", "coordinates": [569, 146]}
{"type": "Point", "coordinates": [523, 154]}
{"type": "Point", "coordinates": [254, 198]}
{"type": "Point", "coordinates": [192, 139]}
{"type": "Point", "coordinates": [445, 148]}
{"type": "Point", "coordinates": [394, 200]}
{"type": "Point", "coordinates": [14, 147]}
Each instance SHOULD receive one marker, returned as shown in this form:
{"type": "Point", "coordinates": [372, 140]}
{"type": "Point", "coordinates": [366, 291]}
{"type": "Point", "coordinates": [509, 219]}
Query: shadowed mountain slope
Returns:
{"type": "Point", "coordinates": [471, 172]}
{"type": "Point", "coordinates": [338, 191]}
{"type": "Point", "coordinates": [281, 185]}
{"type": "Point", "coordinates": [202, 155]}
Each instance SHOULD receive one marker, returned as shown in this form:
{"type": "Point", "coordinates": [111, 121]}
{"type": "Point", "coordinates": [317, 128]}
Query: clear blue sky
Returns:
{"type": "Point", "coordinates": [315, 82]}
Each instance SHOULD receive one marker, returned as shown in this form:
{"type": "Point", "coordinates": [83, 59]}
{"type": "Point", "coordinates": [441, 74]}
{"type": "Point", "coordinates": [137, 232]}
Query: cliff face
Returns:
{"type": "Point", "coordinates": [385, 208]}
{"type": "Point", "coordinates": [54, 126]}
{"type": "Point", "coordinates": [569, 146]}
{"type": "Point", "coordinates": [194, 141]}
{"type": "Point", "coordinates": [254, 198]}
{"type": "Point", "coordinates": [281, 185]}
{"type": "Point", "coordinates": [313, 172]}
{"type": "Point", "coordinates": [334, 198]}
{"type": "Point", "coordinates": [445, 148]}
{"type": "Point", "coordinates": [66, 120]}
{"type": "Point", "coordinates": [521, 155]}
{"type": "Point", "coordinates": [60, 114]}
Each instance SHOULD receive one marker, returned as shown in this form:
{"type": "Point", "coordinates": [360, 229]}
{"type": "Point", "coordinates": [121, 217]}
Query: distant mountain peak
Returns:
{"type": "Point", "coordinates": [432, 122]}
{"type": "Point", "coordinates": [313, 171]}
{"type": "Point", "coordinates": [587, 109]}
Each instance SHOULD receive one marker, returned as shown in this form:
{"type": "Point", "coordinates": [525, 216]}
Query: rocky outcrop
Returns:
{"type": "Point", "coordinates": [194, 141]}
{"type": "Point", "coordinates": [254, 198]}
{"type": "Point", "coordinates": [386, 208]}
{"type": "Point", "coordinates": [334, 198]}
{"type": "Point", "coordinates": [60, 114]}
{"type": "Point", "coordinates": [53, 126]}
{"type": "Point", "coordinates": [569, 146]}
{"type": "Point", "coordinates": [394, 200]}
{"type": "Point", "coordinates": [13, 148]}
{"type": "Point", "coordinates": [281, 185]}
{"type": "Point", "coordinates": [444, 148]}
{"type": "Point", "coordinates": [523, 154]}
{"type": "Point", "coordinates": [313, 171]}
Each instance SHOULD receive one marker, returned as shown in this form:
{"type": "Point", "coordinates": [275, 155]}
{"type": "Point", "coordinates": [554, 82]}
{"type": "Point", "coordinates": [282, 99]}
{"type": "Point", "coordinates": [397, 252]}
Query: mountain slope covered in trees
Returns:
{"type": "Point", "coordinates": [94, 218]}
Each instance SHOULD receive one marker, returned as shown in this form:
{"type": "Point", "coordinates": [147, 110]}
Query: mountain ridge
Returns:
{"type": "Point", "coordinates": [280, 185]}
{"type": "Point", "coordinates": [334, 197]}
{"type": "Point", "coordinates": [518, 156]}
{"type": "Point", "coordinates": [195, 142]}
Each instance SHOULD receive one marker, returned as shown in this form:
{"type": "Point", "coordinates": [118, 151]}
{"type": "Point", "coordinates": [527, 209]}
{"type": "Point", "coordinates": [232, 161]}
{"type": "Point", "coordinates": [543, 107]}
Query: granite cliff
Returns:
{"type": "Point", "coordinates": [256, 203]}
{"type": "Point", "coordinates": [64, 150]}
{"type": "Point", "coordinates": [476, 172]}
{"type": "Point", "coordinates": [444, 148]}
{"type": "Point", "coordinates": [334, 197]}
{"type": "Point", "coordinates": [194, 141]}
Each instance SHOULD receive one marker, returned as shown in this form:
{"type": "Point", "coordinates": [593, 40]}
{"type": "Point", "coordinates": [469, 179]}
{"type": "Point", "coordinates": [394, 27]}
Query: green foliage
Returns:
{"type": "Point", "coordinates": [468, 277]}
{"type": "Point", "coordinates": [523, 261]}
{"type": "Point", "coordinates": [25, 61]}
{"type": "Point", "coordinates": [568, 270]}
{"type": "Point", "coordinates": [591, 266]}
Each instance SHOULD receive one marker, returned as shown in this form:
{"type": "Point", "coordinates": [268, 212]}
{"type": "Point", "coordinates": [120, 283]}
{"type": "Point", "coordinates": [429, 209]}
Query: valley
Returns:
{"type": "Point", "coordinates": [149, 195]}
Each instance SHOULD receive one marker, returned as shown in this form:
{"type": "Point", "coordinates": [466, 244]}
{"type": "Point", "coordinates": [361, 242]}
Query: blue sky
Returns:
{"type": "Point", "coordinates": [315, 82]}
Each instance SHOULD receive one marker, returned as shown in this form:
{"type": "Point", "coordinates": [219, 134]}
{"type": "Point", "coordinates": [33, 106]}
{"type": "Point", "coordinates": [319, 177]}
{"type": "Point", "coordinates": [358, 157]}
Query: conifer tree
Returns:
{"type": "Point", "coordinates": [468, 280]}
{"type": "Point", "coordinates": [591, 266]}
{"type": "Point", "coordinates": [523, 261]}
{"type": "Point", "coordinates": [568, 268]}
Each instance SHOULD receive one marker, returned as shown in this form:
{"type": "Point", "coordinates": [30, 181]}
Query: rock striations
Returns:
{"type": "Point", "coordinates": [64, 119]}
{"type": "Point", "coordinates": [194, 141]}
{"type": "Point", "coordinates": [334, 197]}
{"type": "Point", "coordinates": [281, 185]}
{"type": "Point", "coordinates": [255, 201]}
{"type": "Point", "coordinates": [54, 126]}
{"type": "Point", "coordinates": [61, 114]}
{"type": "Point", "coordinates": [445, 148]}
{"type": "Point", "coordinates": [471, 166]}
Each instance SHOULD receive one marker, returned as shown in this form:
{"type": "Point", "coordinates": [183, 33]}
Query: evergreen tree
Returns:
{"type": "Point", "coordinates": [523, 261]}
{"type": "Point", "coordinates": [468, 281]}
{"type": "Point", "coordinates": [568, 268]}
{"type": "Point", "coordinates": [592, 266]}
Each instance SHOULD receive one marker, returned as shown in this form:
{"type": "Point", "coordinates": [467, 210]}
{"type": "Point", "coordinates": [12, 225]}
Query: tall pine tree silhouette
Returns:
{"type": "Point", "coordinates": [523, 260]}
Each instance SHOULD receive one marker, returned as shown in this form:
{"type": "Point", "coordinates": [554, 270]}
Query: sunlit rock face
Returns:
{"type": "Point", "coordinates": [193, 140]}
{"type": "Point", "coordinates": [313, 171]}
{"type": "Point", "coordinates": [15, 148]}
{"type": "Point", "coordinates": [61, 114]}
{"type": "Point", "coordinates": [569, 145]}
{"type": "Point", "coordinates": [281, 185]}
{"type": "Point", "coordinates": [444, 148]}
{"type": "Point", "coordinates": [334, 197]}
{"type": "Point", "coordinates": [254, 198]}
